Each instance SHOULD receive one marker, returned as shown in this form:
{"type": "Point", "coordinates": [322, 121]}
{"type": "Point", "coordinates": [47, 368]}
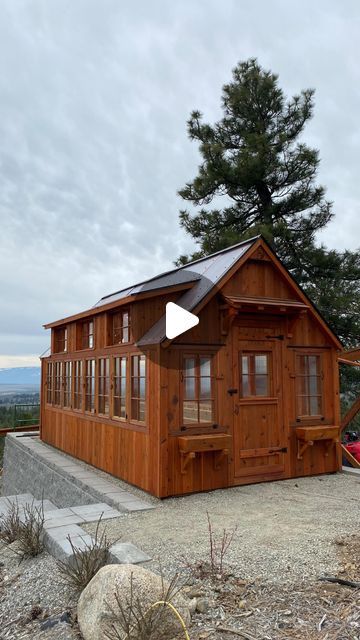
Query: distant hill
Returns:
{"type": "Point", "coordinates": [20, 375]}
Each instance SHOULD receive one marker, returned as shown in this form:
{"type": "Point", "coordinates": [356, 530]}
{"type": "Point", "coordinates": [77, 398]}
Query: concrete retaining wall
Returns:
{"type": "Point", "coordinates": [25, 471]}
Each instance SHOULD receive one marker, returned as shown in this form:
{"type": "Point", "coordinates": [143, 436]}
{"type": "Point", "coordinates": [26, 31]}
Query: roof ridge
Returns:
{"type": "Point", "coordinates": [165, 273]}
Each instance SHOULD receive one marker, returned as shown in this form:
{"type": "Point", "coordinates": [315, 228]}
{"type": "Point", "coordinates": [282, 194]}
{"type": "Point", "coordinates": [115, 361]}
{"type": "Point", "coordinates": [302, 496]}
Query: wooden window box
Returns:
{"type": "Point", "coordinates": [306, 437]}
{"type": "Point", "coordinates": [191, 445]}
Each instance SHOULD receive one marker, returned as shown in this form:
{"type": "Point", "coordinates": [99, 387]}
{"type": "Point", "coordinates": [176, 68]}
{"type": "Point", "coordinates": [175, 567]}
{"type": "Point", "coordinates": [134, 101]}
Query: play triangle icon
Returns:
{"type": "Point", "coordinates": [178, 320]}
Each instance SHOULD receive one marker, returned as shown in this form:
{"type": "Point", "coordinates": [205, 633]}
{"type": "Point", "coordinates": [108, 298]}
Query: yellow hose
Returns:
{"type": "Point", "coordinates": [179, 617]}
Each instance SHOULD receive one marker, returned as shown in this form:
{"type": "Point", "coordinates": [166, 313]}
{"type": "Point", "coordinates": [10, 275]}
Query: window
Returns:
{"type": "Point", "coordinates": [254, 374]}
{"type": "Point", "coordinates": [57, 382]}
{"type": "Point", "coordinates": [90, 386]}
{"type": "Point", "coordinates": [77, 377]}
{"type": "Point", "coordinates": [308, 385]}
{"type": "Point", "coordinates": [67, 384]}
{"type": "Point", "coordinates": [198, 398]}
{"type": "Point", "coordinates": [86, 335]}
{"type": "Point", "coordinates": [119, 410]}
{"type": "Point", "coordinates": [120, 327]}
{"type": "Point", "coordinates": [138, 388]}
{"type": "Point", "coordinates": [103, 388]}
{"type": "Point", "coordinates": [60, 340]}
{"type": "Point", "coordinates": [49, 382]}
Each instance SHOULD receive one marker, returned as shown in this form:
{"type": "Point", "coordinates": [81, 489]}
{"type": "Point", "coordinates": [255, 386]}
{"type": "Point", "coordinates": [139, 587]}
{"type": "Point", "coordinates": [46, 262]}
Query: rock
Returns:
{"type": "Point", "coordinates": [49, 624]}
{"type": "Point", "coordinates": [202, 605]}
{"type": "Point", "coordinates": [192, 605]}
{"type": "Point", "coordinates": [98, 603]}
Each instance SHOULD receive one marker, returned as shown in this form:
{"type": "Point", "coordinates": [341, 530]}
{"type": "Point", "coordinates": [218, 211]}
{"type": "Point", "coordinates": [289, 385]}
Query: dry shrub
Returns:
{"type": "Point", "coordinates": [219, 545]}
{"type": "Point", "coordinates": [31, 531]}
{"type": "Point", "coordinates": [137, 620]}
{"type": "Point", "coordinates": [10, 523]}
{"type": "Point", "coordinates": [86, 561]}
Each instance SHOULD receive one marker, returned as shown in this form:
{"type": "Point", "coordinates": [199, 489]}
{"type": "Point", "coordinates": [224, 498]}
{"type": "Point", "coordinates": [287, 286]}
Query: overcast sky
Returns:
{"type": "Point", "coordinates": [94, 99]}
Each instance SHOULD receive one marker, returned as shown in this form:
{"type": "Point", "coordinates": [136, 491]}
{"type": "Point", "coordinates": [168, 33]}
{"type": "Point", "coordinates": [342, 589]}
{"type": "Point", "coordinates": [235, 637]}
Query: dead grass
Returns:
{"type": "Point", "coordinates": [138, 620]}
{"type": "Point", "coordinates": [31, 531]}
{"type": "Point", "coordinates": [86, 561]}
{"type": "Point", "coordinates": [10, 523]}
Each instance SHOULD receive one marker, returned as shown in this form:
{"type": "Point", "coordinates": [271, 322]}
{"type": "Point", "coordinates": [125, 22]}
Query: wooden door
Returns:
{"type": "Point", "coordinates": [259, 441]}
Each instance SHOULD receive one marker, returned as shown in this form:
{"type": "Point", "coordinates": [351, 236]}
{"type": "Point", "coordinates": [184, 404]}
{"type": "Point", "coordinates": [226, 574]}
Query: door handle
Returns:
{"type": "Point", "coordinates": [232, 392]}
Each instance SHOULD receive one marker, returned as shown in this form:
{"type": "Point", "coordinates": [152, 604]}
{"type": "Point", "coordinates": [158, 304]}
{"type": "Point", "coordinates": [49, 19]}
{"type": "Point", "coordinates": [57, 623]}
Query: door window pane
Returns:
{"type": "Point", "coordinates": [254, 374]}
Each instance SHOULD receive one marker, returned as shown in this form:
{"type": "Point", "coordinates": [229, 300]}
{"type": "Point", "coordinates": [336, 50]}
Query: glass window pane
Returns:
{"type": "Point", "coordinates": [313, 385]}
{"type": "Point", "coordinates": [190, 412]}
{"type": "Point", "coordinates": [205, 367]}
{"type": "Point", "coordinates": [205, 411]}
{"type": "Point", "coordinates": [205, 388]}
{"type": "Point", "coordinates": [189, 366]}
{"type": "Point", "coordinates": [261, 364]}
{"type": "Point", "coordinates": [142, 366]}
{"type": "Point", "coordinates": [190, 388]}
{"type": "Point", "coordinates": [313, 365]}
{"type": "Point", "coordinates": [123, 367]}
{"type": "Point", "coordinates": [245, 385]}
{"type": "Point", "coordinates": [261, 384]}
{"type": "Point", "coordinates": [315, 405]}
{"type": "Point", "coordinates": [245, 364]}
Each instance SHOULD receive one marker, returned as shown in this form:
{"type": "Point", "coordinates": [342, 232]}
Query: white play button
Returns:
{"type": "Point", "coordinates": [178, 320]}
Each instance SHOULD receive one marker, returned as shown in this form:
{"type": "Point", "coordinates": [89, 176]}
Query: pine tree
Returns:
{"type": "Point", "coordinates": [255, 163]}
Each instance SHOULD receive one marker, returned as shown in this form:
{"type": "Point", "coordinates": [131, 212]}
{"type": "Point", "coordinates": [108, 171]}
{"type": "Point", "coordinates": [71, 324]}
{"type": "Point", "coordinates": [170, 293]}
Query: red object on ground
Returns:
{"type": "Point", "coordinates": [354, 449]}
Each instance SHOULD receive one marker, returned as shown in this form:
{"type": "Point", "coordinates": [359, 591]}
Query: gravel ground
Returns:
{"type": "Point", "coordinates": [285, 530]}
{"type": "Point", "coordinates": [287, 536]}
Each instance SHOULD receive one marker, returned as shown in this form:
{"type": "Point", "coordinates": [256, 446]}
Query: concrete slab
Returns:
{"type": "Point", "coordinates": [63, 521]}
{"type": "Point", "coordinates": [352, 471]}
{"type": "Point", "coordinates": [127, 553]}
{"type": "Point", "coordinates": [91, 513]}
{"type": "Point", "coordinates": [62, 532]}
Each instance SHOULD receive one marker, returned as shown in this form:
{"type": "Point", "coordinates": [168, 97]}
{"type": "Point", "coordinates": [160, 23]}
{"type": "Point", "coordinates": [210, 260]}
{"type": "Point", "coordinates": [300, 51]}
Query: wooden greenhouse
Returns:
{"type": "Point", "coordinates": [248, 395]}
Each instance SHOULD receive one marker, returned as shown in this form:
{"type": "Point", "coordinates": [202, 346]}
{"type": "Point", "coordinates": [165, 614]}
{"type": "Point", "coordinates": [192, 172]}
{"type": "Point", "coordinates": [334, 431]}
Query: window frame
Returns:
{"type": "Point", "coordinates": [251, 374]}
{"type": "Point", "coordinates": [105, 379]}
{"type": "Point", "coordinates": [57, 388]}
{"type": "Point", "coordinates": [67, 384]}
{"type": "Point", "coordinates": [196, 356]}
{"type": "Point", "coordinates": [316, 417]}
{"type": "Point", "coordinates": [114, 377]}
{"type": "Point", "coordinates": [63, 341]}
{"type": "Point", "coordinates": [49, 382]}
{"type": "Point", "coordinates": [80, 377]}
{"type": "Point", "coordinates": [81, 335]}
{"type": "Point", "coordinates": [131, 419]}
{"type": "Point", "coordinates": [110, 333]}
{"type": "Point", "coordinates": [91, 412]}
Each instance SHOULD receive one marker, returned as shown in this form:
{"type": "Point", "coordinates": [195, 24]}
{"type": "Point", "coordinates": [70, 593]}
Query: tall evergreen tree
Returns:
{"type": "Point", "coordinates": [255, 162]}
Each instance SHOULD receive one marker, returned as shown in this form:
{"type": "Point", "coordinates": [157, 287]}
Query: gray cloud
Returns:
{"type": "Point", "coordinates": [94, 98]}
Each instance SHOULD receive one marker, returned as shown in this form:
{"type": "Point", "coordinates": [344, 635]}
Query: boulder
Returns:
{"type": "Point", "coordinates": [98, 604]}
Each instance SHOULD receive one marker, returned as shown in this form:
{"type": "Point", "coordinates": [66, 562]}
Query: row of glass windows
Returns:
{"type": "Point", "coordinates": [118, 332]}
{"type": "Point", "coordinates": [255, 380]}
{"type": "Point", "coordinates": [91, 386]}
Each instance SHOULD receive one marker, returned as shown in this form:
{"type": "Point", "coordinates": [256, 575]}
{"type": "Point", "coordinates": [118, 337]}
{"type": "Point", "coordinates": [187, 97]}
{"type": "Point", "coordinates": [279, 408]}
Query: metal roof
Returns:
{"type": "Point", "coordinates": [207, 273]}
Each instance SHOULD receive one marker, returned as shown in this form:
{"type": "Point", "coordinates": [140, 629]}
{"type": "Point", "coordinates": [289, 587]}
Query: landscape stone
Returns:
{"type": "Point", "coordinates": [99, 599]}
